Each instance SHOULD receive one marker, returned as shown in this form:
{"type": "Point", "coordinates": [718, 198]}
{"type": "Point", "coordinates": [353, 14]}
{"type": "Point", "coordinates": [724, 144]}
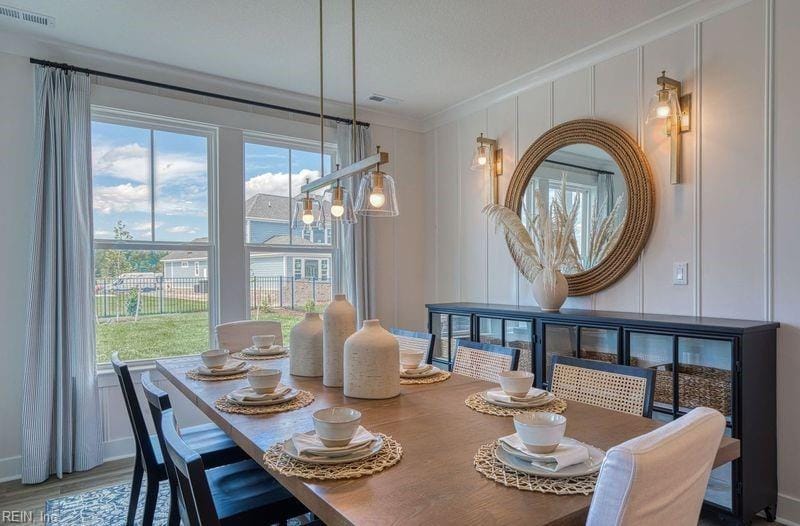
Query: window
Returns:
{"type": "Point", "coordinates": [150, 184]}
{"type": "Point", "coordinates": [286, 272]}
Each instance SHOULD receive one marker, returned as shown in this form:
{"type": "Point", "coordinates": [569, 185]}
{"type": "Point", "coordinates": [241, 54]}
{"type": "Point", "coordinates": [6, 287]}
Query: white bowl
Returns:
{"type": "Point", "coordinates": [264, 341]}
{"type": "Point", "coordinates": [336, 426]}
{"type": "Point", "coordinates": [215, 358]}
{"type": "Point", "coordinates": [264, 380]}
{"type": "Point", "coordinates": [516, 383]}
{"type": "Point", "coordinates": [411, 359]}
{"type": "Point", "coordinates": [540, 432]}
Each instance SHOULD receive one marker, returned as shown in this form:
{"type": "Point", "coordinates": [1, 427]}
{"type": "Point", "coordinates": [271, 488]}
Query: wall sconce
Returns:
{"type": "Point", "coordinates": [487, 151]}
{"type": "Point", "coordinates": [674, 109]}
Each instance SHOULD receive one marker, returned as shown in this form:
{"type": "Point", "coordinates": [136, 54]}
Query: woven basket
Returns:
{"type": "Point", "coordinates": [698, 386]}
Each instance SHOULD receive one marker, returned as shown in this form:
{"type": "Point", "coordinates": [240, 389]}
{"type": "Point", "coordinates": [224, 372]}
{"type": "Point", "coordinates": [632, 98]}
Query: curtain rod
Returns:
{"type": "Point", "coordinates": [595, 170]}
{"type": "Point", "coordinates": [172, 87]}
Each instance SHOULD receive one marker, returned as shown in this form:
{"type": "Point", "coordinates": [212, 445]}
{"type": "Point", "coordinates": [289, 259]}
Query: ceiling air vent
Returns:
{"type": "Point", "coordinates": [375, 97]}
{"type": "Point", "coordinates": [26, 16]}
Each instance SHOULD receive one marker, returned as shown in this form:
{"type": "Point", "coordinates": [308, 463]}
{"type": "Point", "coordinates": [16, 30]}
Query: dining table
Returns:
{"type": "Point", "coordinates": [435, 481]}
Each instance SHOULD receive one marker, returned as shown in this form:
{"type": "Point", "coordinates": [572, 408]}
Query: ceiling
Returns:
{"type": "Point", "coordinates": [430, 54]}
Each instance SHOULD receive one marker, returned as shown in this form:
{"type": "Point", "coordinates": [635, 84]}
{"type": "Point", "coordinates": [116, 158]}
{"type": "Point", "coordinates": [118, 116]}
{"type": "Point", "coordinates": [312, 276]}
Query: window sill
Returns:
{"type": "Point", "coordinates": [106, 377]}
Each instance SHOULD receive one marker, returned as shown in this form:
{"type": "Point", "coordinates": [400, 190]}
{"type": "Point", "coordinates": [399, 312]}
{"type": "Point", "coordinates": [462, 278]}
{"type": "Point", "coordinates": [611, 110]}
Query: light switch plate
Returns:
{"type": "Point", "coordinates": [680, 273]}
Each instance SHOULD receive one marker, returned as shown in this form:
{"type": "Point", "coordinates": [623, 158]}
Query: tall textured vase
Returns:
{"type": "Point", "coordinates": [305, 355]}
{"type": "Point", "coordinates": [372, 363]}
{"type": "Point", "coordinates": [339, 322]}
{"type": "Point", "coordinates": [550, 289]}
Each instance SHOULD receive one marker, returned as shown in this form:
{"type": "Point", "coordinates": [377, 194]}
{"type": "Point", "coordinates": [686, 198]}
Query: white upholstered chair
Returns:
{"type": "Point", "coordinates": [238, 335]}
{"type": "Point", "coordinates": [659, 478]}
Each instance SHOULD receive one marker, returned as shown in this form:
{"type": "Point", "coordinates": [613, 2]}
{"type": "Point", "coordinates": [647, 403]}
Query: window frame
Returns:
{"type": "Point", "coordinates": [129, 118]}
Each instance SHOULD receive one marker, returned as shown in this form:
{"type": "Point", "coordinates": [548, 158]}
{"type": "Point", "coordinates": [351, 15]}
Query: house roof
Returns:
{"type": "Point", "coordinates": [272, 207]}
{"type": "Point", "coordinates": [187, 254]}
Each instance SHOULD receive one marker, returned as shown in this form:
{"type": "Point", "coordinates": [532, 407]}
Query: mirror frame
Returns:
{"type": "Point", "coordinates": [641, 195]}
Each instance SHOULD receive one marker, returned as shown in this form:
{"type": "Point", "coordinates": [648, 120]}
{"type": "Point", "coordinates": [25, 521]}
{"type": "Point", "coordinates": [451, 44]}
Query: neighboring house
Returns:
{"type": "Point", "coordinates": [267, 222]}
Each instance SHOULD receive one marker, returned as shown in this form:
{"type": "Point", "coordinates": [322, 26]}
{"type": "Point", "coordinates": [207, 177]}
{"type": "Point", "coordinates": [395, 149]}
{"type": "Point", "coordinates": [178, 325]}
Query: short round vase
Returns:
{"type": "Point", "coordinates": [550, 289]}
{"type": "Point", "coordinates": [305, 356]}
{"type": "Point", "coordinates": [372, 363]}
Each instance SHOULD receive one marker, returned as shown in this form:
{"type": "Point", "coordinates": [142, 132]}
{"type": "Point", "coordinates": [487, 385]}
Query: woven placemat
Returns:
{"type": "Point", "coordinates": [388, 456]}
{"type": "Point", "coordinates": [241, 356]}
{"type": "Point", "coordinates": [302, 399]}
{"type": "Point", "coordinates": [434, 378]}
{"type": "Point", "coordinates": [476, 402]}
{"type": "Point", "coordinates": [235, 376]}
{"type": "Point", "coordinates": [488, 465]}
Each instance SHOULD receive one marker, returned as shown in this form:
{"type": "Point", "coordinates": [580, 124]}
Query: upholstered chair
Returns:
{"type": "Point", "coordinates": [238, 335]}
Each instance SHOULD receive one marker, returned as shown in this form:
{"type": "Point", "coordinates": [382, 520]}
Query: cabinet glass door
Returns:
{"type": "Point", "coordinates": [704, 374]}
{"type": "Point", "coordinates": [519, 335]}
{"type": "Point", "coordinates": [561, 340]}
{"type": "Point", "coordinates": [448, 328]}
{"type": "Point", "coordinates": [655, 351]}
{"type": "Point", "coordinates": [720, 484]}
{"type": "Point", "coordinates": [490, 330]}
{"type": "Point", "coordinates": [599, 344]}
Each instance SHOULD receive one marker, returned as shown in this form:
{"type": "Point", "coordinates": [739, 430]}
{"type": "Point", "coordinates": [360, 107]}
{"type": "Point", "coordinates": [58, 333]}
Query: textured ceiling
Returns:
{"type": "Point", "coordinates": [430, 54]}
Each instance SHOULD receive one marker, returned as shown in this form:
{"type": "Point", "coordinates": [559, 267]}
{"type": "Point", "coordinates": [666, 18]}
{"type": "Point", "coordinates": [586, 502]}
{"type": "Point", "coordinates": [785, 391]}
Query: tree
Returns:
{"type": "Point", "coordinates": [112, 263]}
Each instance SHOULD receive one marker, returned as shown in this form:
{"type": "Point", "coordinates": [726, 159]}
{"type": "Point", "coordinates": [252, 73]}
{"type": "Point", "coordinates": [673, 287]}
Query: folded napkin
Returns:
{"type": "Point", "coordinates": [247, 394]}
{"type": "Point", "coordinates": [566, 454]}
{"type": "Point", "coordinates": [419, 370]}
{"type": "Point", "coordinates": [275, 349]}
{"type": "Point", "coordinates": [498, 395]}
{"type": "Point", "coordinates": [310, 443]}
{"type": "Point", "coordinates": [229, 368]}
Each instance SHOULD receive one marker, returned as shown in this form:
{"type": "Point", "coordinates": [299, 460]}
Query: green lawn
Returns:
{"type": "Point", "coordinates": [164, 335]}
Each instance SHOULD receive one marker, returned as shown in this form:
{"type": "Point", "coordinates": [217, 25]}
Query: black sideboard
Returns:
{"type": "Point", "coordinates": [725, 364]}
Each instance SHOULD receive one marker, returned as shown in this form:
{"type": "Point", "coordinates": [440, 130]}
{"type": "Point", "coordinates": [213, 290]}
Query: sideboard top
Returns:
{"type": "Point", "coordinates": [628, 319]}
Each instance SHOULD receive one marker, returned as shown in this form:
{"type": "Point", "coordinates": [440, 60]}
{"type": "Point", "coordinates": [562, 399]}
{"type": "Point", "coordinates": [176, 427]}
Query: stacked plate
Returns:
{"type": "Point", "coordinates": [534, 398]}
{"type": "Point", "coordinates": [420, 372]}
{"type": "Point", "coordinates": [307, 447]}
{"type": "Point", "coordinates": [543, 465]}
{"type": "Point", "coordinates": [246, 396]}
{"type": "Point", "coordinates": [273, 350]}
{"type": "Point", "coordinates": [230, 367]}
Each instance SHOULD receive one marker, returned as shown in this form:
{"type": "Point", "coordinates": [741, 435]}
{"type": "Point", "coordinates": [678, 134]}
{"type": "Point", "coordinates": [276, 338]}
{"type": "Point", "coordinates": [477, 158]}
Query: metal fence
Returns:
{"type": "Point", "coordinates": [127, 296]}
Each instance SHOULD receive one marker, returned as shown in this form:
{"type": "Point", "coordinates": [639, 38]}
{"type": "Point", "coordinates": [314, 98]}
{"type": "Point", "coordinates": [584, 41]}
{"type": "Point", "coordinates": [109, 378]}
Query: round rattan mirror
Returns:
{"type": "Point", "coordinates": [601, 167]}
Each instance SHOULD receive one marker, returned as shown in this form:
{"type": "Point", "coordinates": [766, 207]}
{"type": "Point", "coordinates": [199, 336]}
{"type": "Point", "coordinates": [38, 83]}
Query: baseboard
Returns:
{"type": "Point", "coordinates": [10, 468]}
{"type": "Point", "coordinates": [788, 510]}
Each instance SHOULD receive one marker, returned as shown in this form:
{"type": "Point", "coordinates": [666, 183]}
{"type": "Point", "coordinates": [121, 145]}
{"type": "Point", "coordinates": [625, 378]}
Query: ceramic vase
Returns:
{"type": "Point", "coordinates": [305, 355]}
{"type": "Point", "coordinates": [339, 322]}
{"type": "Point", "coordinates": [550, 289]}
{"type": "Point", "coordinates": [372, 363]}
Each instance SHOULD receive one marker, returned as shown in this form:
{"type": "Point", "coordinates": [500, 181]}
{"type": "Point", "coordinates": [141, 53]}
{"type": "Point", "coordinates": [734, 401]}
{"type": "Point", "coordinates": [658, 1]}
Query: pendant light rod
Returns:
{"type": "Point", "coordinates": [321, 98]}
{"type": "Point", "coordinates": [361, 166]}
{"type": "Point", "coordinates": [353, 129]}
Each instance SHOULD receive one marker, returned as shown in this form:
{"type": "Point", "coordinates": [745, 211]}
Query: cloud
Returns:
{"type": "Point", "coordinates": [132, 162]}
{"type": "Point", "coordinates": [122, 198]}
{"type": "Point", "coordinates": [276, 183]}
{"type": "Point", "coordinates": [182, 230]}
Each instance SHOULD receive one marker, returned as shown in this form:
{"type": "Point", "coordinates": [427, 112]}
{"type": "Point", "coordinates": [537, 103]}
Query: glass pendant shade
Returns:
{"type": "Point", "coordinates": [664, 104]}
{"type": "Point", "coordinates": [481, 157]}
{"type": "Point", "coordinates": [339, 203]}
{"type": "Point", "coordinates": [377, 196]}
{"type": "Point", "coordinates": [308, 213]}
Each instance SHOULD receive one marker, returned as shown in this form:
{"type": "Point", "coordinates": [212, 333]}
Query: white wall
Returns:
{"type": "Point", "coordinates": [733, 218]}
{"type": "Point", "coordinates": [397, 273]}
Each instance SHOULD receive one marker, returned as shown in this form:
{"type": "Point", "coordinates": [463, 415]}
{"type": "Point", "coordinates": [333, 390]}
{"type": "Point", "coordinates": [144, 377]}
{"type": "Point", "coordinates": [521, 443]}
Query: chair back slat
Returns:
{"type": "Point", "coordinates": [140, 432]}
{"type": "Point", "coordinates": [416, 341]}
{"type": "Point", "coordinates": [238, 335]}
{"type": "Point", "coordinates": [617, 387]}
{"type": "Point", "coordinates": [197, 503]}
{"type": "Point", "coordinates": [483, 361]}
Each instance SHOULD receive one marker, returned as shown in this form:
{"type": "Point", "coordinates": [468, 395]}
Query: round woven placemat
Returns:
{"type": "Point", "coordinates": [476, 402]}
{"type": "Point", "coordinates": [488, 465]}
{"type": "Point", "coordinates": [302, 399]}
{"type": "Point", "coordinates": [204, 378]}
{"type": "Point", "coordinates": [434, 378]}
{"type": "Point", "coordinates": [388, 456]}
{"type": "Point", "coordinates": [241, 356]}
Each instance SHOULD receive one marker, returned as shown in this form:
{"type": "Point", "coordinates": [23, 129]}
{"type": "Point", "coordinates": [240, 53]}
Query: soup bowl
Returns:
{"type": "Point", "coordinates": [541, 432]}
{"type": "Point", "coordinates": [336, 426]}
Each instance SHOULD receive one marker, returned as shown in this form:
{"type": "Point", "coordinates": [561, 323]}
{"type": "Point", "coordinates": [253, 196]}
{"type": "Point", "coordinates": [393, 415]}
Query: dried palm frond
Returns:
{"type": "Point", "coordinates": [522, 248]}
{"type": "Point", "coordinates": [604, 234]}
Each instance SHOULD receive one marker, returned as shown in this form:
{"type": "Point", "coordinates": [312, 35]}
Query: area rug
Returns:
{"type": "Point", "coordinates": [106, 506]}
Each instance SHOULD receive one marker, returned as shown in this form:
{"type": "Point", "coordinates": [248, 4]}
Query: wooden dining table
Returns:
{"type": "Point", "coordinates": [435, 482]}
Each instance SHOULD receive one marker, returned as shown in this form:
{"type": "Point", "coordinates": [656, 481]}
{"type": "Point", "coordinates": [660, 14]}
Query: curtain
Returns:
{"type": "Point", "coordinates": [61, 428]}
{"type": "Point", "coordinates": [605, 195]}
{"type": "Point", "coordinates": [351, 273]}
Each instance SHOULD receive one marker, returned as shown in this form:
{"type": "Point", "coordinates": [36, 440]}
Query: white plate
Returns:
{"type": "Point", "coordinates": [291, 395]}
{"type": "Point", "coordinates": [358, 454]}
{"type": "Point", "coordinates": [223, 372]}
{"type": "Point", "coordinates": [272, 351]}
{"type": "Point", "coordinates": [519, 405]}
{"type": "Point", "coordinates": [515, 460]}
{"type": "Point", "coordinates": [430, 372]}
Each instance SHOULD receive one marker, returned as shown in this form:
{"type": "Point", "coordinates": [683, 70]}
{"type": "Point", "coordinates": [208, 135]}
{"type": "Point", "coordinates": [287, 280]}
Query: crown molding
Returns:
{"type": "Point", "coordinates": [622, 42]}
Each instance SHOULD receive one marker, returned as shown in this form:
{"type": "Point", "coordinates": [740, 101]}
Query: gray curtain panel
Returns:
{"type": "Point", "coordinates": [351, 276]}
{"type": "Point", "coordinates": [61, 427]}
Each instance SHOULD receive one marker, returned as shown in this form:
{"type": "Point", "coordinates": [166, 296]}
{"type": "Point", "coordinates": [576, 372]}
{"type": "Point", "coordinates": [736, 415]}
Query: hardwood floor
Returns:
{"type": "Point", "coordinates": [17, 497]}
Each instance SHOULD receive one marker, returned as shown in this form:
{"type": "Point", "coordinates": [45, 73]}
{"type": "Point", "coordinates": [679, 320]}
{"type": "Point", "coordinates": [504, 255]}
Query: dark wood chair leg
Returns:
{"type": "Point", "coordinates": [136, 487]}
{"type": "Point", "coordinates": [150, 501]}
{"type": "Point", "coordinates": [174, 512]}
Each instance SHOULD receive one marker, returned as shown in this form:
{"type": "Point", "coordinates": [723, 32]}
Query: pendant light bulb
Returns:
{"type": "Point", "coordinates": [376, 198]}
{"type": "Point", "coordinates": [308, 217]}
{"type": "Point", "coordinates": [337, 210]}
{"type": "Point", "coordinates": [482, 155]}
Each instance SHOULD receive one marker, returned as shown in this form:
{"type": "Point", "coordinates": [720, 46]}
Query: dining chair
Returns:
{"type": "Point", "coordinates": [659, 477]}
{"type": "Point", "coordinates": [415, 341]}
{"type": "Point", "coordinates": [483, 361]}
{"type": "Point", "coordinates": [237, 335]}
{"type": "Point", "coordinates": [239, 494]}
{"type": "Point", "coordinates": [618, 387]}
{"type": "Point", "coordinates": [210, 441]}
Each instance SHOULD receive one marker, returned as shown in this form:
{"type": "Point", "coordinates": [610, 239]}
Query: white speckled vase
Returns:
{"type": "Point", "coordinates": [339, 322]}
{"type": "Point", "coordinates": [305, 354]}
{"type": "Point", "coordinates": [372, 363]}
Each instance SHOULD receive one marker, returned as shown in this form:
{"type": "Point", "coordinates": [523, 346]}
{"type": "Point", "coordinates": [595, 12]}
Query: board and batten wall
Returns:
{"type": "Point", "coordinates": [733, 218]}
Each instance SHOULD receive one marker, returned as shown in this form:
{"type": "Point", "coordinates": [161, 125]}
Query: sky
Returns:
{"type": "Point", "coordinates": [122, 185]}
